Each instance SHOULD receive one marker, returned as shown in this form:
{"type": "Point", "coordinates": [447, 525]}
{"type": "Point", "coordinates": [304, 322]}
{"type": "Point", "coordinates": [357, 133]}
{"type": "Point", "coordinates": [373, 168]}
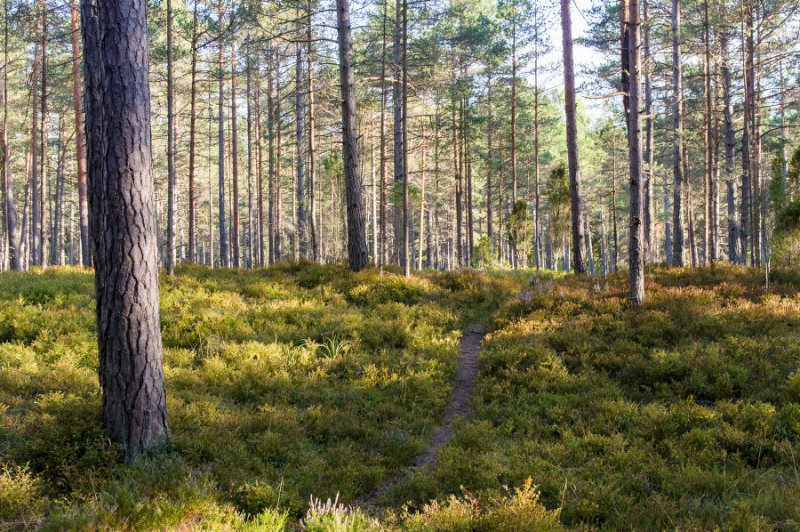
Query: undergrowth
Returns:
{"type": "Point", "coordinates": [681, 415]}
{"type": "Point", "coordinates": [282, 383]}
{"type": "Point", "coordinates": [295, 390]}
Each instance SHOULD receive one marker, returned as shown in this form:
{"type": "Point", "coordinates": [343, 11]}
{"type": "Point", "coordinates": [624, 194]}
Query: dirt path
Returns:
{"type": "Point", "coordinates": [459, 406]}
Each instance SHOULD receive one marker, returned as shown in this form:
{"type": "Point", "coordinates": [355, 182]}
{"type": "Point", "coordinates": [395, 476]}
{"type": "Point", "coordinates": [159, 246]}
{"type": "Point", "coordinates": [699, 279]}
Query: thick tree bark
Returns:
{"type": "Point", "coordinates": [578, 244]}
{"type": "Point", "coordinates": [636, 228]}
{"type": "Point", "coordinates": [357, 251]}
{"type": "Point", "coordinates": [123, 223]}
{"type": "Point", "coordinates": [678, 146]}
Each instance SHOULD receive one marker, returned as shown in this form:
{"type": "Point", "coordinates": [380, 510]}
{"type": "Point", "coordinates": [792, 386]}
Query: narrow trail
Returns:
{"type": "Point", "coordinates": [459, 406]}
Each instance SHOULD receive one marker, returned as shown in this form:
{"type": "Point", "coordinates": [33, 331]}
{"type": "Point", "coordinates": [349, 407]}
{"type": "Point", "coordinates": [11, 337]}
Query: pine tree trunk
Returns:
{"type": "Point", "coordinates": [397, 102]}
{"type": "Point", "coordinates": [278, 161]}
{"type": "Point", "coordinates": [647, 150]}
{"type": "Point", "coordinates": [272, 211]}
{"type": "Point", "coordinates": [734, 245]}
{"type": "Point", "coordinates": [489, 156]}
{"type": "Point", "coordinates": [300, 187]}
{"type": "Point", "coordinates": [578, 245]}
{"type": "Point", "coordinates": [36, 217]}
{"type": "Point", "coordinates": [315, 250]}
{"type": "Point", "coordinates": [407, 259]}
{"type": "Point", "coordinates": [514, 108]}
{"type": "Point", "coordinates": [123, 223]}
{"type": "Point", "coordinates": [223, 233]}
{"type": "Point", "coordinates": [636, 228]}
{"type": "Point", "coordinates": [357, 251]}
{"type": "Point", "coordinates": [192, 214]}
{"type": "Point", "coordinates": [14, 244]}
{"type": "Point", "coordinates": [746, 228]}
{"type": "Point", "coordinates": [678, 147]}
{"type": "Point", "coordinates": [80, 140]}
{"type": "Point", "coordinates": [235, 223]}
{"type": "Point", "coordinates": [171, 192]}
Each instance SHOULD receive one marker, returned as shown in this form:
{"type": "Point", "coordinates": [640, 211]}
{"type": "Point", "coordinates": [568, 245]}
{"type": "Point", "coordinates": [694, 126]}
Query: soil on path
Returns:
{"type": "Point", "coordinates": [459, 406]}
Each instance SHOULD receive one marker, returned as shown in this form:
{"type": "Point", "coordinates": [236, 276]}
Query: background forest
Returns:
{"type": "Point", "coordinates": [257, 384]}
{"type": "Point", "coordinates": [254, 174]}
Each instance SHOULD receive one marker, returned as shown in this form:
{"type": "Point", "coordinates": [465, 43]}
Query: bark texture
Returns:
{"type": "Point", "coordinates": [123, 223]}
{"type": "Point", "coordinates": [357, 250]}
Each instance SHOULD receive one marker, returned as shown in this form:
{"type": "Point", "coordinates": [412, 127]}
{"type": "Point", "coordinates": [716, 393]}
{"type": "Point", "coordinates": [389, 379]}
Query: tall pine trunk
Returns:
{"type": "Point", "coordinates": [357, 251]}
{"type": "Point", "coordinates": [14, 250]}
{"type": "Point", "coordinates": [171, 191]}
{"type": "Point", "coordinates": [123, 223]}
{"type": "Point", "coordinates": [235, 222]}
{"type": "Point", "coordinates": [636, 227]}
{"type": "Point", "coordinates": [578, 244]}
{"type": "Point", "coordinates": [678, 147]}
{"type": "Point", "coordinates": [80, 139]}
{"type": "Point", "coordinates": [223, 233]}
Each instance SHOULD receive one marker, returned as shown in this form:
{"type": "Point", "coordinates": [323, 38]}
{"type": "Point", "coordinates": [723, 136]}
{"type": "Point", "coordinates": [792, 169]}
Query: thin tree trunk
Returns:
{"type": "Point", "coordinates": [636, 229]}
{"type": "Point", "coordinates": [192, 214]}
{"type": "Point", "coordinates": [43, 194]}
{"type": "Point", "coordinates": [171, 191]}
{"type": "Point", "coordinates": [708, 237]}
{"type": "Point", "coordinates": [382, 255]}
{"type": "Point", "coordinates": [357, 251]}
{"type": "Point", "coordinates": [578, 244]}
{"type": "Point", "coordinates": [678, 147]}
{"type": "Point", "coordinates": [223, 233]}
{"type": "Point", "coordinates": [300, 233]}
{"type": "Point", "coordinates": [734, 245]}
{"type": "Point", "coordinates": [489, 156]}
{"type": "Point", "coordinates": [80, 140]}
{"type": "Point", "coordinates": [746, 228]}
{"type": "Point", "coordinates": [315, 250]}
{"type": "Point", "coordinates": [235, 239]}
{"type": "Point", "coordinates": [278, 161]}
{"type": "Point", "coordinates": [397, 102]}
{"type": "Point", "coordinates": [36, 218]}
{"type": "Point", "coordinates": [407, 259]}
{"type": "Point", "coordinates": [514, 109]}
{"type": "Point", "coordinates": [14, 254]}
{"type": "Point", "coordinates": [647, 150]}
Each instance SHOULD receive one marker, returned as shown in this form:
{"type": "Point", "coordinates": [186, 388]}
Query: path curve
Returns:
{"type": "Point", "coordinates": [459, 406]}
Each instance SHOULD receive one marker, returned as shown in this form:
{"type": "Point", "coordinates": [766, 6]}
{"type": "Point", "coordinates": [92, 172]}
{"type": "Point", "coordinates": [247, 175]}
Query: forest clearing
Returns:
{"type": "Point", "coordinates": [305, 380]}
{"type": "Point", "coordinates": [400, 266]}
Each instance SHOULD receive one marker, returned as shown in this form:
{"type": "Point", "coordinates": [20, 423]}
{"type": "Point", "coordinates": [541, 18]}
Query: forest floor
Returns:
{"type": "Point", "coordinates": [294, 384]}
